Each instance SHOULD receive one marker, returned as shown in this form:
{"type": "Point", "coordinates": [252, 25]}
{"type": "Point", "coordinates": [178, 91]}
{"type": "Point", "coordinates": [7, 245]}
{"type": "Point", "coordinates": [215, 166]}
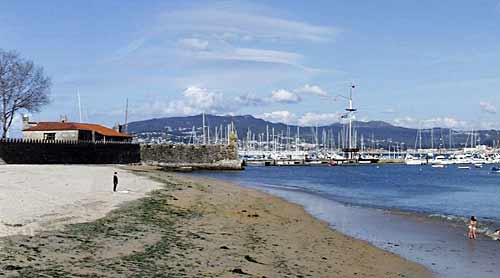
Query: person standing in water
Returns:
{"type": "Point", "coordinates": [472, 227]}
{"type": "Point", "coordinates": [496, 235]}
{"type": "Point", "coordinates": [115, 181]}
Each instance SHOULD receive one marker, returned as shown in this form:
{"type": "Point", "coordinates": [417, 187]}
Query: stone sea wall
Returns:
{"type": "Point", "coordinates": [27, 151]}
{"type": "Point", "coordinates": [221, 157]}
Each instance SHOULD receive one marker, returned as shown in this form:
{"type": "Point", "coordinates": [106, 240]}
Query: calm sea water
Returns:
{"type": "Point", "coordinates": [446, 192]}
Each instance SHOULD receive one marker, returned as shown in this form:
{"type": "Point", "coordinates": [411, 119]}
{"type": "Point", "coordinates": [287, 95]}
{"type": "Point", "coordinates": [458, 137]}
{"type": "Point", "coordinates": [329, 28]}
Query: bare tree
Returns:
{"type": "Point", "coordinates": [23, 87]}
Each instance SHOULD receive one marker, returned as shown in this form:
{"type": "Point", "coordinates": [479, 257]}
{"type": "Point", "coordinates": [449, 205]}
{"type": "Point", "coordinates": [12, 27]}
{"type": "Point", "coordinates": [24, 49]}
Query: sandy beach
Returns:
{"type": "Point", "coordinates": [188, 227]}
{"type": "Point", "coordinates": [37, 197]}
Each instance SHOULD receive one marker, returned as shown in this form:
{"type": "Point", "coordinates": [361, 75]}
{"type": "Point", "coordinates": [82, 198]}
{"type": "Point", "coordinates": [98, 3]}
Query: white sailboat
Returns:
{"type": "Point", "coordinates": [411, 160]}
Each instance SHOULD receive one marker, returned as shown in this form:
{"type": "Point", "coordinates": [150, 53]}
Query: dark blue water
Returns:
{"type": "Point", "coordinates": [448, 192]}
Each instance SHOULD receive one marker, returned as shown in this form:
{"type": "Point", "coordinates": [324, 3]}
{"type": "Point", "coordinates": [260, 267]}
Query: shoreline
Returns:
{"type": "Point", "coordinates": [486, 228]}
{"type": "Point", "coordinates": [386, 257]}
{"type": "Point", "coordinates": [438, 244]}
{"type": "Point", "coordinates": [194, 227]}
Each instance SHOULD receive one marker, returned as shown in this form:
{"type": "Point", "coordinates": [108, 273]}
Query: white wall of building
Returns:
{"type": "Point", "coordinates": [59, 134]}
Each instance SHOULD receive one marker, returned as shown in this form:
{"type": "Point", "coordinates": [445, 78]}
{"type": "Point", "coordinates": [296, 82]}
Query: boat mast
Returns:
{"type": "Point", "coordinates": [194, 135]}
{"type": "Point", "coordinates": [350, 113]}
{"type": "Point", "coordinates": [79, 104]}
{"type": "Point", "coordinates": [451, 134]}
{"type": "Point", "coordinates": [432, 138]}
{"type": "Point", "coordinates": [297, 140]}
{"type": "Point", "coordinates": [274, 141]}
{"type": "Point", "coordinates": [420, 138]}
{"type": "Point", "coordinates": [208, 134]}
{"type": "Point", "coordinates": [126, 117]}
{"type": "Point", "coordinates": [216, 136]}
{"type": "Point", "coordinates": [203, 127]}
{"type": "Point", "coordinates": [267, 137]}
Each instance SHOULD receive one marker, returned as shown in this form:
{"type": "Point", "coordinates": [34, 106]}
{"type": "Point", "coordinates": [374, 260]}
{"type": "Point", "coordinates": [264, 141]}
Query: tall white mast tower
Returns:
{"type": "Point", "coordinates": [350, 146]}
{"type": "Point", "coordinates": [350, 112]}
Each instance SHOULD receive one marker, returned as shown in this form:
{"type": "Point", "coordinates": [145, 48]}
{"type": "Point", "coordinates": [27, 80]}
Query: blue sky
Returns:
{"type": "Point", "coordinates": [428, 63]}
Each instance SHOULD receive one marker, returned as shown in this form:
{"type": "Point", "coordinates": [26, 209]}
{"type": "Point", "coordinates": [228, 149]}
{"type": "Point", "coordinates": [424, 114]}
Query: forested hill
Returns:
{"type": "Point", "coordinates": [373, 132]}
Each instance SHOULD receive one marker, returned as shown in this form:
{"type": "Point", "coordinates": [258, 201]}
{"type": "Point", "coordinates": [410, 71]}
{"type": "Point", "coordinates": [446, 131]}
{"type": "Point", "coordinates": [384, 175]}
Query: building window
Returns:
{"type": "Point", "coordinates": [49, 136]}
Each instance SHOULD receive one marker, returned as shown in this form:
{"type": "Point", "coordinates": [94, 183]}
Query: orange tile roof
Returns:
{"type": "Point", "coordinates": [53, 126]}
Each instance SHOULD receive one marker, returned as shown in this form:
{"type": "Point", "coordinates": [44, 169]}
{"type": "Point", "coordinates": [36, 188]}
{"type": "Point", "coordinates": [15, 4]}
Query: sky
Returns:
{"type": "Point", "coordinates": [414, 63]}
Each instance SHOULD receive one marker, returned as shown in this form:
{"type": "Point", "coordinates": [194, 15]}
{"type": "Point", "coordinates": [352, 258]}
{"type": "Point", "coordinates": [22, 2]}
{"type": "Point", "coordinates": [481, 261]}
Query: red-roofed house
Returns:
{"type": "Point", "coordinates": [64, 130]}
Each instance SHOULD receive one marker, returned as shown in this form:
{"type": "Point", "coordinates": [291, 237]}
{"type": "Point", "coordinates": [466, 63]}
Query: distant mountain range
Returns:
{"type": "Point", "coordinates": [373, 133]}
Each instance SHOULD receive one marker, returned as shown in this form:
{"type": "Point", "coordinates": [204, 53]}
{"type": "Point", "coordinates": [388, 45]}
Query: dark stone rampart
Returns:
{"type": "Point", "coordinates": [195, 156]}
{"type": "Point", "coordinates": [26, 151]}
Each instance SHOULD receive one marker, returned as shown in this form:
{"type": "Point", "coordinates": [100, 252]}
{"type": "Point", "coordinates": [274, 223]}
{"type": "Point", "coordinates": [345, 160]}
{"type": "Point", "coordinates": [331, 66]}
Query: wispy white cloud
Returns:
{"type": "Point", "coordinates": [313, 119]}
{"type": "Point", "coordinates": [202, 99]}
{"type": "Point", "coordinates": [254, 55]}
{"type": "Point", "coordinates": [306, 119]}
{"type": "Point", "coordinates": [231, 32]}
{"type": "Point", "coordinates": [446, 122]}
{"type": "Point", "coordinates": [313, 90]}
{"type": "Point", "coordinates": [250, 100]}
{"type": "Point", "coordinates": [284, 96]}
{"type": "Point", "coordinates": [204, 40]}
{"type": "Point", "coordinates": [281, 116]}
{"type": "Point", "coordinates": [294, 96]}
{"type": "Point", "coordinates": [194, 100]}
{"type": "Point", "coordinates": [130, 48]}
{"type": "Point", "coordinates": [487, 107]}
{"type": "Point", "coordinates": [232, 23]}
{"type": "Point", "coordinates": [238, 78]}
{"type": "Point", "coordinates": [193, 44]}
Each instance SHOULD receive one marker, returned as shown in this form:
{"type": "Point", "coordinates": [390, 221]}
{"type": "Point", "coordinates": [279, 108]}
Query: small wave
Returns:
{"type": "Point", "coordinates": [485, 227]}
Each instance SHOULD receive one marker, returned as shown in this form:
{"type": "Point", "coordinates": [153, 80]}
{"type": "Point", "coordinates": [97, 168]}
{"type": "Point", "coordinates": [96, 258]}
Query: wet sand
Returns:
{"type": "Point", "coordinates": [440, 245]}
{"type": "Point", "coordinates": [197, 227]}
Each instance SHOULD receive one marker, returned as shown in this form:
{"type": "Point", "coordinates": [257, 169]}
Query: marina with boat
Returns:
{"type": "Point", "coordinates": [349, 149]}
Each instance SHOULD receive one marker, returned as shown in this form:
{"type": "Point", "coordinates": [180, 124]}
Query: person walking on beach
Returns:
{"type": "Point", "coordinates": [115, 181]}
{"type": "Point", "coordinates": [472, 227]}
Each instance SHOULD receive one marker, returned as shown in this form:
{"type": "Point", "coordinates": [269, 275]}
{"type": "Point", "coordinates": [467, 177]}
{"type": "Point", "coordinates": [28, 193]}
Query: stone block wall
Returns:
{"type": "Point", "coordinates": [27, 151]}
{"type": "Point", "coordinates": [196, 156]}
